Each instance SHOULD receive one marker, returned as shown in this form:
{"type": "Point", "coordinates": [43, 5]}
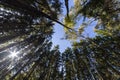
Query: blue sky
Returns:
{"type": "Point", "coordinates": [59, 32]}
{"type": "Point", "coordinates": [56, 38]}
{"type": "Point", "coordinates": [63, 43]}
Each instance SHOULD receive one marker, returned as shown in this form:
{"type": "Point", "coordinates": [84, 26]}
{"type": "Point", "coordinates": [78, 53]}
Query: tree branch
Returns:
{"type": "Point", "coordinates": [30, 10]}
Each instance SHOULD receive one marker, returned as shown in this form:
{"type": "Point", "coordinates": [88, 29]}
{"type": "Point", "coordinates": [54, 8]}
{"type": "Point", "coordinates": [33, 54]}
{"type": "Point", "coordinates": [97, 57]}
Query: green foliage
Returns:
{"type": "Point", "coordinates": [102, 55]}
{"type": "Point", "coordinates": [26, 28]}
{"type": "Point", "coordinates": [105, 12]}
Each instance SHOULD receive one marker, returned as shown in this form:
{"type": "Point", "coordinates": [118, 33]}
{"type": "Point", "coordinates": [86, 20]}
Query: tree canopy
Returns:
{"type": "Point", "coordinates": [26, 28]}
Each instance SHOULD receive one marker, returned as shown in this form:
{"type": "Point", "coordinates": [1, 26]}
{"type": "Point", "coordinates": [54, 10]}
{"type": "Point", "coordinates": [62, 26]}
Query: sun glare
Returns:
{"type": "Point", "coordinates": [13, 54]}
